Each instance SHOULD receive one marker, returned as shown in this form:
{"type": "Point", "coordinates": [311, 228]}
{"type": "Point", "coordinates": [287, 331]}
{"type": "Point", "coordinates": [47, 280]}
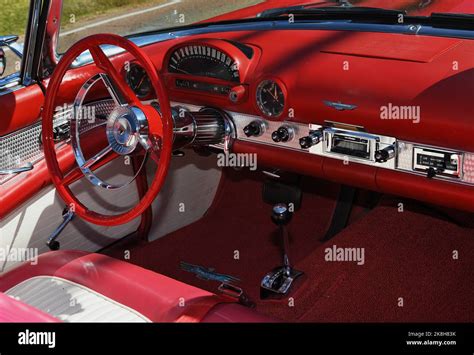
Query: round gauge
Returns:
{"type": "Point", "coordinates": [138, 81]}
{"type": "Point", "coordinates": [270, 98]}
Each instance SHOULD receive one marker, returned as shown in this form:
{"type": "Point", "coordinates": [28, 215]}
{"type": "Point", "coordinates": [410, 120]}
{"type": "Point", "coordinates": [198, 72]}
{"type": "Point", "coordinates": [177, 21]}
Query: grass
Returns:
{"type": "Point", "coordinates": [80, 9]}
{"type": "Point", "coordinates": [14, 13]}
{"type": "Point", "coordinates": [13, 16]}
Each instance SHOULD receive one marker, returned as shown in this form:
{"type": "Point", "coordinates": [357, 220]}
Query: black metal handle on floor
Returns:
{"type": "Point", "coordinates": [52, 243]}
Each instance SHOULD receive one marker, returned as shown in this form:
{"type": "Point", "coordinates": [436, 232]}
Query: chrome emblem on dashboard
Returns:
{"type": "Point", "coordinates": [339, 105]}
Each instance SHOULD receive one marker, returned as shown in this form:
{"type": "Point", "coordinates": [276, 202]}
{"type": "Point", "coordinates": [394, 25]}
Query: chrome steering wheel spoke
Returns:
{"type": "Point", "coordinates": [96, 158]}
{"type": "Point", "coordinates": [126, 128]}
{"type": "Point", "coordinates": [113, 91]}
{"type": "Point", "coordinates": [119, 83]}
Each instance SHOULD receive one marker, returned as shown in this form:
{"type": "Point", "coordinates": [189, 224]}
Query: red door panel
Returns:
{"type": "Point", "coordinates": [20, 108]}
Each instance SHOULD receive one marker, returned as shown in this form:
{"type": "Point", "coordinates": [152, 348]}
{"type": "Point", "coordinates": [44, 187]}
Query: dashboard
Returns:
{"type": "Point", "coordinates": [220, 68]}
{"type": "Point", "coordinates": [300, 110]}
{"type": "Point", "coordinates": [313, 105]}
{"type": "Point", "coordinates": [352, 145]}
{"type": "Point", "coordinates": [291, 112]}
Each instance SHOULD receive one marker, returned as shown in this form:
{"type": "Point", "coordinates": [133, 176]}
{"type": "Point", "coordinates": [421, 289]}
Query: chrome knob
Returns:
{"type": "Point", "coordinates": [382, 155]}
{"type": "Point", "coordinates": [281, 214]}
{"type": "Point", "coordinates": [254, 129]}
{"type": "Point", "coordinates": [283, 134]}
{"type": "Point", "coordinates": [313, 138]}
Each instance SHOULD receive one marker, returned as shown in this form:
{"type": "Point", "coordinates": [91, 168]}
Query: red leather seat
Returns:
{"type": "Point", "coordinates": [15, 311]}
{"type": "Point", "coordinates": [78, 286]}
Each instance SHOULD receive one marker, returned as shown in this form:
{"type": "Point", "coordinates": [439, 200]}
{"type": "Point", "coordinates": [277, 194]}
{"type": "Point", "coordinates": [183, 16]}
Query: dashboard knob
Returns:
{"type": "Point", "coordinates": [237, 94]}
{"type": "Point", "coordinates": [283, 134]}
{"type": "Point", "coordinates": [382, 155]}
{"type": "Point", "coordinates": [313, 138]}
{"type": "Point", "coordinates": [431, 172]}
{"type": "Point", "coordinates": [254, 129]}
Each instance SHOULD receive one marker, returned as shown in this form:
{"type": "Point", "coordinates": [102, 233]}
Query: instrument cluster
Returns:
{"type": "Point", "coordinates": [210, 68]}
{"type": "Point", "coordinates": [216, 70]}
{"type": "Point", "coordinates": [205, 61]}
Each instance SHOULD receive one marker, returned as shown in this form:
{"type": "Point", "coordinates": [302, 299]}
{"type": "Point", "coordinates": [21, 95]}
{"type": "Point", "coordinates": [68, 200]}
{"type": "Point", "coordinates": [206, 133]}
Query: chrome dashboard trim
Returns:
{"type": "Point", "coordinates": [10, 83]}
{"type": "Point", "coordinates": [27, 167]}
{"type": "Point", "coordinates": [409, 146]}
{"type": "Point", "coordinates": [241, 120]}
{"type": "Point", "coordinates": [299, 130]}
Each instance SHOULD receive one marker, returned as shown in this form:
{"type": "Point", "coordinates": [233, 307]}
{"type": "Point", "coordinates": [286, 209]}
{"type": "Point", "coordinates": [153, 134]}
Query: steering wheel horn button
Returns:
{"type": "Point", "coordinates": [125, 128]}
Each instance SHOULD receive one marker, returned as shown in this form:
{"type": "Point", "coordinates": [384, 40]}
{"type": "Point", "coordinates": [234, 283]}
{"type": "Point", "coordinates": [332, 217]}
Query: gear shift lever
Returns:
{"type": "Point", "coordinates": [281, 216]}
{"type": "Point", "coordinates": [279, 280]}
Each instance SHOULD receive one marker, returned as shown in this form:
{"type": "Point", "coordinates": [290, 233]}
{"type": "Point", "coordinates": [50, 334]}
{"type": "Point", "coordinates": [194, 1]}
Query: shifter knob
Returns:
{"type": "Point", "coordinates": [281, 214]}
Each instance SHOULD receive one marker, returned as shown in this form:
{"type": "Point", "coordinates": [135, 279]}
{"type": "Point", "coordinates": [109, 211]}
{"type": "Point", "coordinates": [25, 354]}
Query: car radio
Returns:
{"type": "Point", "coordinates": [351, 143]}
{"type": "Point", "coordinates": [437, 162]}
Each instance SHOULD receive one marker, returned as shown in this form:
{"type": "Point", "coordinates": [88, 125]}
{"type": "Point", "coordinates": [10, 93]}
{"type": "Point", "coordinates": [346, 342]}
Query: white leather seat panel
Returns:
{"type": "Point", "coordinates": [71, 302]}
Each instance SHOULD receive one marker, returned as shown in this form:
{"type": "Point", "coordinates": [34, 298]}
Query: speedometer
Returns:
{"type": "Point", "coordinates": [203, 60]}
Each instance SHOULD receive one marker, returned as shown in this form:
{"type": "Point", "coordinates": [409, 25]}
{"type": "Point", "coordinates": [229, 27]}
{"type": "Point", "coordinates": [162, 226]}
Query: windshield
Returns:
{"type": "Point", "coordinates": [81, 18]}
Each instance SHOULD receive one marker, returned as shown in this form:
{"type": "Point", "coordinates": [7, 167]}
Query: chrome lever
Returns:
{"type": "Point", "coordinates": [273, 174]}
{"type": "Point", "coordinates": [52, 243]}
{"type": "Point", "coordinates": [21, 169]}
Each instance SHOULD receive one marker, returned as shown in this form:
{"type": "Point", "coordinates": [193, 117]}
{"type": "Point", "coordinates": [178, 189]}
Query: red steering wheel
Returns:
{"type": "Point", "coordinates": [132, 126]}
